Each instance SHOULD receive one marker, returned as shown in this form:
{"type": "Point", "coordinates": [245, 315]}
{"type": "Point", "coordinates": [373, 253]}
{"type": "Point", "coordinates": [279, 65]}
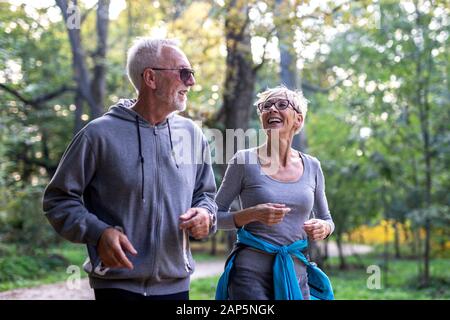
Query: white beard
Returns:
{"type": "Point", "coordinates": [180, 106]}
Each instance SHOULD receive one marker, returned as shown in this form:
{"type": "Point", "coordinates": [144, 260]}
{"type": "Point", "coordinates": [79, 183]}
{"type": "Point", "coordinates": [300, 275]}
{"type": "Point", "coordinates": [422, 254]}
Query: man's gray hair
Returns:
{"type": "Point", "coordinates": [144, 53]}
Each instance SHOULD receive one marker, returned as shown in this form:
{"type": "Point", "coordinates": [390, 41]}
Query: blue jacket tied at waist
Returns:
{"type": "Point", "coordinates": [286, 286]}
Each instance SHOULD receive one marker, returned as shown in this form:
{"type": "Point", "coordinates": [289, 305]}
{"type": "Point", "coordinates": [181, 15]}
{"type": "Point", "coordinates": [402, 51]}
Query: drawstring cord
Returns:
{"type": "Point", "coordinates": [187, 265]}
{"type": "Point", "coordinates": [171, 144]}
{"type": "Point", "coordinates": [141, 157]}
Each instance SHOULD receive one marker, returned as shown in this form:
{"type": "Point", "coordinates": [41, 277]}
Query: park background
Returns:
{"type": "Point", "coordinates": [376, 74]}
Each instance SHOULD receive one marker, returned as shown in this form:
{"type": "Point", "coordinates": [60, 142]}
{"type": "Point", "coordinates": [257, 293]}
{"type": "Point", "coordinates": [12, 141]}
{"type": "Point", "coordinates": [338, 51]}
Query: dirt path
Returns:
{"type": "Point", "coordinates": [60, 291]}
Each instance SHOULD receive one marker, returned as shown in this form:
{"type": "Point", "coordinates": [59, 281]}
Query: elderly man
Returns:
{"type": "Point", "coordinates": [120, 190]}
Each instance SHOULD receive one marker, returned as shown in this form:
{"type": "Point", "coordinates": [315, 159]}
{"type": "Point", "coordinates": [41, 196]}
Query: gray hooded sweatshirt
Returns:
{"type": "Point", "coordinates": [120, 171]}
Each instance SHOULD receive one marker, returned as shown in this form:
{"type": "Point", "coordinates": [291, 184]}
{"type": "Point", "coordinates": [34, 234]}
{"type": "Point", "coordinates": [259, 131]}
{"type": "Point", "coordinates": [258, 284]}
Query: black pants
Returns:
{"type": "Point", "coordinates": [124, 295]}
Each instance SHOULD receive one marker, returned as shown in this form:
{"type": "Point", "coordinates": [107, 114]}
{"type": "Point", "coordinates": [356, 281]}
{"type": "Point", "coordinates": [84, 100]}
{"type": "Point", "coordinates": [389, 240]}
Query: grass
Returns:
{"type": "Point", "coordinates": [19, 270]}
{"type": "Point", "coordinates": [203, 289]}
{"type": "Point", "coordinates": [203, 257]}
{"type": "Point", "coordinates": [351, 284]}
{"type": "Point", "coordinates": [399, 282]}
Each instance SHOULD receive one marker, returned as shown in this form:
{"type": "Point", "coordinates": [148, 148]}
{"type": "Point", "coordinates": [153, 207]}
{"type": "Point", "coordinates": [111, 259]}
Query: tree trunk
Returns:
{"type": "Point", "coordinates": [128, 39]}
{"type": "Point", "coordinates": [240, 79]}
{"type": "Point", "coordinates": [289, 74]}
{"type": "Point", "coordinates": [424, 68]}
{"type": "Point", "coordinates": [342, 262]}
{"type": "Point", "coordinates": [98, 84]}
{"type": "Point", "coordinates": [78, 112]}
{"type": "Point", "coordinates": [325, 249]}
{"type": "Point", "coordinates": [386, 234]}
{"type": "Point", "coordinates": [213, 250]}
{"type": "Point", "coordinates": [290, 77]}
{"type": "Point", "coordinates": [49, 167]}
{"type": "Point", "coordinates": [240, 72]}
{"type": "Point", "coordinates": [386, 255]}
{"type": "Point", "coordinates": [315, 254]}
{"type": "Point", "coordinates": [428, 183]}
{"type": "Point", "coordinates": [92, 91]}
{"type": "Point", "coordinates": [396, 240]}
{"type": "Point", "coordinates": [405, 231]}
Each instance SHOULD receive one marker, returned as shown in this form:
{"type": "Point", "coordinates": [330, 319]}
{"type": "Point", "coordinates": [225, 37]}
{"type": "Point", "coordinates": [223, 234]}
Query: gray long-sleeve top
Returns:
{"type": "Point", "coordinates": [245, 179]}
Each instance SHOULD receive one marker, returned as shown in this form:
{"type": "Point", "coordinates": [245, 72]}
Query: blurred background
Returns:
{"type": "Point", "coordinates": [376, 73]}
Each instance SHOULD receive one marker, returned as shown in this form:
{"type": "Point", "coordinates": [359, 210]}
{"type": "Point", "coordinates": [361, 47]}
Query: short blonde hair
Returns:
{"type": "Point", "coordinates": [295, 97]}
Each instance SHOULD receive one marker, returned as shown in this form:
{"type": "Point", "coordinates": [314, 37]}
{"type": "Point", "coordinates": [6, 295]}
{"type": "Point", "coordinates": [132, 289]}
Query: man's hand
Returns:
{"type": "Point", "coordinates": [111, 247]}
{"type": "Point", "coordinates": [196, 221]}
{"type": "Point", "coordinates": [317, 229]}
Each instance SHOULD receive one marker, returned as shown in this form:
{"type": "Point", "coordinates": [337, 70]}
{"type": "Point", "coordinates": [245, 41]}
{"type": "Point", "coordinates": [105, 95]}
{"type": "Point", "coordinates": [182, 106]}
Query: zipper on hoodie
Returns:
{"type": "Point", "coordinates": [158, 220]}
{"type": "Point", "coordinates": [146, 281]}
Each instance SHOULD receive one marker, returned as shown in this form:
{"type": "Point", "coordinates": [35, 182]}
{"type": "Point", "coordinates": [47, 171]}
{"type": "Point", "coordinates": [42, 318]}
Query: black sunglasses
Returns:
{"type": "Point", "coordinates": [280, 104]}
{"type": "Point", "coordinates": [185, 73]}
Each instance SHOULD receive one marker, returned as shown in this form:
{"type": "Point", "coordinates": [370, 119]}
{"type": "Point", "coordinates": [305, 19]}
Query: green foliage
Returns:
{"type": "Point", "coordinates": [383, 79]}
{"type": "Point", "coordinates": [370, 132]}
{"type": "Point", "coordinates": [352, 284]}
{"type": "Point", "coordinates": [402, 280]}
{"type": "Point", "coordinates": [203, 289]}
{"type": "Point", "coordinates": [439, 216]}
{"type": "Point", "coordinates": [19, 269]}
{"type": "Point", "coordinates": [22, 221]}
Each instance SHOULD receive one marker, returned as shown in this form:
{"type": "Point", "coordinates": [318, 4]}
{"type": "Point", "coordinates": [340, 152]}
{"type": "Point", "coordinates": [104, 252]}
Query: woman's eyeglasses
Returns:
{"type": "Point", "coordinates": [185, 73]}
{"type": "Point", "coordinates": [280, 104]}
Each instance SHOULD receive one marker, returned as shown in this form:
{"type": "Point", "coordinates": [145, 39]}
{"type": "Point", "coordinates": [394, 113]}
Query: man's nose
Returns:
{"type": "Point", "coordinates": [191, 81]}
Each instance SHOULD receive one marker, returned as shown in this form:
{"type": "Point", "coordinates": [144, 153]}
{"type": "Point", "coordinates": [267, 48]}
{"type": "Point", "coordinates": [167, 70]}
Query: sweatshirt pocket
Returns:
{"type": "Point", "coordinates": [97, 268]}
{"type": "Point", "coordinates": [94, 266]}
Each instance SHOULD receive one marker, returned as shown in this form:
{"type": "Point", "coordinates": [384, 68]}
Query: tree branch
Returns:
{"type": "Point", "coordinates": [308, 86]}
{"type": "Point", "coordinates": [86, 13]}
{"type": "Point", "coordinates": [37, 102]}
{"type": "Point", "coordinates": [51, 95]}
{"type": "Point", "coordinates": [16, 94]}
{"type": "Point", "coordinates": [263, 59]}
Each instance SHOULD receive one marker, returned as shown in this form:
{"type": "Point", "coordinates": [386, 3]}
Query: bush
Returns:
{"type": "Point", "coordinates": [20, 267]}
{"type": "Point", "coordinates": [22, 221]}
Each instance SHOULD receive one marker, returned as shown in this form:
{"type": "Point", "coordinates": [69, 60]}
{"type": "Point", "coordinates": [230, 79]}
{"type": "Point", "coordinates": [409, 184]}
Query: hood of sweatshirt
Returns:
{"type": "Point", "coordinates": [122, 110]}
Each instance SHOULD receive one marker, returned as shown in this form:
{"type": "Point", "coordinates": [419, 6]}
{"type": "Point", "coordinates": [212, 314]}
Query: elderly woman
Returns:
{"type": "Point", "coordinates": [278, 187]}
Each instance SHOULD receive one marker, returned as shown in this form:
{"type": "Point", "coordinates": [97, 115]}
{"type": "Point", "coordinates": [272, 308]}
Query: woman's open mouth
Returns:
{"type": "Point", "coordinates": [274, 121]}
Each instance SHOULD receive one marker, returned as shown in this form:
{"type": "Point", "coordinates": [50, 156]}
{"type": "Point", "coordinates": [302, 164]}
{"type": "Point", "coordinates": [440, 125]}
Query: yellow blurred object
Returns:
{"type": "Point", "coordinates": [381, 233]}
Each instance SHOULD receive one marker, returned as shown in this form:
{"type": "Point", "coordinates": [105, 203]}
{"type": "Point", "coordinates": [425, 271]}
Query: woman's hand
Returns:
{"type": "Point", "coordinates": [269, 213]}
{"type": "Point", "coordinates": [317, 229]}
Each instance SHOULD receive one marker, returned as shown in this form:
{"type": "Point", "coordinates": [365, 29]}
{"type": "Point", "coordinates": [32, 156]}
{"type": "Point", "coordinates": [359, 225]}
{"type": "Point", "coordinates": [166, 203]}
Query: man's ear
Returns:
{"type": "Point", "coordinates": [149, 78]}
